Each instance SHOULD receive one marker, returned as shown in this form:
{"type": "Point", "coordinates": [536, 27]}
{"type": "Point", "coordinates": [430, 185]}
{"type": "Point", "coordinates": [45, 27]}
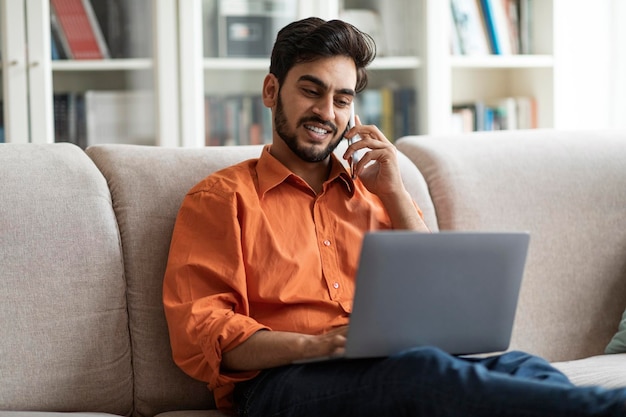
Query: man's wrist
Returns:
{"type": "Point", "coordinates": [402, 211]}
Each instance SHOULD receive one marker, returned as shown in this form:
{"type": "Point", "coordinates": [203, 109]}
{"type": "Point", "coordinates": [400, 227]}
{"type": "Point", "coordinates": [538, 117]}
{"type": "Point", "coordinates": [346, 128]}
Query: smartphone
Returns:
{"type": "Point", "coordinates": [355, 156]}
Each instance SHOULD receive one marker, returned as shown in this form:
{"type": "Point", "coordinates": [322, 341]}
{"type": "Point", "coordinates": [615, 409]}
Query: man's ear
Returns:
{"type": "Point", "coordinates": [270, 90]}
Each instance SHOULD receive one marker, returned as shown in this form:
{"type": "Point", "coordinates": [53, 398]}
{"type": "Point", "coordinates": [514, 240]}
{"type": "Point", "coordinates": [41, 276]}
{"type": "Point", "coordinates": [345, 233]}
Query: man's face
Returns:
{"type": "Point", "coordinates": [313, 107]}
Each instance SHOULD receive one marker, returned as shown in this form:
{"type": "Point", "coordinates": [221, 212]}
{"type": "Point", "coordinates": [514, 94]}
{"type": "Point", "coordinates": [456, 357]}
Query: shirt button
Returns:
{"type": "Point", "coordinates": [335, 285]}
{"type": "Point", "coordinates": [327, 242]}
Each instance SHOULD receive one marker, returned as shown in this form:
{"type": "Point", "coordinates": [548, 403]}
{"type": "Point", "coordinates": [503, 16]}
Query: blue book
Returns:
{"type": "Point", "coordinates": [54, 52]}
{"type": "Point", "coordinates": [490, 23]}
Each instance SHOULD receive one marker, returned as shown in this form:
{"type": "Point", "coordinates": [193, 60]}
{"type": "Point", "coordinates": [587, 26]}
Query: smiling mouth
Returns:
{"type": "Point", "coordinates": [317, 130]}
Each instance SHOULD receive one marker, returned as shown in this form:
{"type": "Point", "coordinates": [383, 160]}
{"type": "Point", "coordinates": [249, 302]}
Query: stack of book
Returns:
{"type": "Point", "coordinates": [243, 119]}
{"type": "Point", "coordinates": [504, 114]}
{"type": "Point", "coordinates": [499, 27]}
{"type": "Point", "coordinates": [96, 117]}
{"type": "Point", "coordinates": [236, 120]}
{"type": "Point", "coordinates": [393, 110]}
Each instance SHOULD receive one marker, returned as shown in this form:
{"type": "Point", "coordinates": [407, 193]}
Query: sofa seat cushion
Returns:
{"type": "Point", "coordinates": [52, 414]}
{"type": "Point", "coordinates": [605, 370]}
{"type": "Point", "coordinates": [192, 413]}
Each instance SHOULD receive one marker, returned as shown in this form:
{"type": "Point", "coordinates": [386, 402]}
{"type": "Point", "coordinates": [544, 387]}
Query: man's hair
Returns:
{"type": "Point", "coordinates": [312, 38]}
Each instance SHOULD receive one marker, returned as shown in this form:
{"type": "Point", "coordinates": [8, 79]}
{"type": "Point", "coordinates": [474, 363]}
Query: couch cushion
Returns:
{"type": "Point", "coordinates": [569, 190]}
{"type": "Point", "coordinates": [605, 370]}
{"type": "Point", "coordinates": [148, 185]}
{"type": "Point", "coordinates": [64, 342]}
{"type": "Point", "coordinates": [52, 414]}
{"type": "Point", "coordinates": [188, 413]}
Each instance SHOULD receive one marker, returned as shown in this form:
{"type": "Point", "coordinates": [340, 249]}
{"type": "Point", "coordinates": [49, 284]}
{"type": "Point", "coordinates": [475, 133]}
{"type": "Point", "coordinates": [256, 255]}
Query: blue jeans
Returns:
{"type": "Point", "coordinates": [424, 382]}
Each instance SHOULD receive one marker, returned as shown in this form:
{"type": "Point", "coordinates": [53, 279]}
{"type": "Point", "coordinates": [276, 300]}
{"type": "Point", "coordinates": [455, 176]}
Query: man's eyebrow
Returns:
{"type": "Point", "coordinates": [322, 84]}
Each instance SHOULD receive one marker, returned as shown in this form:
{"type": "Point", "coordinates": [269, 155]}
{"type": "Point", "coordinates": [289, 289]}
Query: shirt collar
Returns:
{"type": "Point", "coordinates": [271, 173]}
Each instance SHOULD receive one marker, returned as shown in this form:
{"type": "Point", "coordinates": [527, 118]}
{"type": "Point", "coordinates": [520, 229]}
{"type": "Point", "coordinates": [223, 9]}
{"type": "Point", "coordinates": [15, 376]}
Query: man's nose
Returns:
{"type": "Point", "coordinates": [325, 108]}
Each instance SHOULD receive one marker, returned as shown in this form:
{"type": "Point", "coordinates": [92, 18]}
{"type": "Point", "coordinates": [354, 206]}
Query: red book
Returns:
{"type": "Point", "coordinates": [80, 29]}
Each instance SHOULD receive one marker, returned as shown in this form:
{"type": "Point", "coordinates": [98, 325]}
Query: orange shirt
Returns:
{"type": "Point", "coordinates": [255, 248]}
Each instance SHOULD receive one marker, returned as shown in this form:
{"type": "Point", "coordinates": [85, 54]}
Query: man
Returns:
{"type": "Point", "coordinates": [263, 257]}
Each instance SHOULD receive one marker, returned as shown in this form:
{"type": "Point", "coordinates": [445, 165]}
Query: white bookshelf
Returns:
{"type": "Point", "coordinates": [30, 77]}
{"type": "Point", "coordinates": [573, 71]}
{"type": "Point", "coordinates": [576, 75]}
{"type": "Point", "coordinates": [459, 79]}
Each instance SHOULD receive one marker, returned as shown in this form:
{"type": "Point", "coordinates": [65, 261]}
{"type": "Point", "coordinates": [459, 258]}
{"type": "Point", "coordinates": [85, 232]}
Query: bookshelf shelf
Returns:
{"type": "Point", "coordinates": [103, 65]}
{"type": "Point", "coordinates": [241, 64]}
{"type": "Point", "coordinates": [262, 64]}
{"type": "Point", "coordinates": [502, 61]}
{"type": "Point", "coordinates": [396, 63]}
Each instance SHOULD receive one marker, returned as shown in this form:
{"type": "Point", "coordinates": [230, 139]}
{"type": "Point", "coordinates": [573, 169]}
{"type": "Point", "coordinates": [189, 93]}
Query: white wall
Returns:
{"type": "Point", "coordinates": [582, 63]}
{"type": "Point", "coordinates": [590, 64]}
{"type": "Point", "coordinates": [618, 78]}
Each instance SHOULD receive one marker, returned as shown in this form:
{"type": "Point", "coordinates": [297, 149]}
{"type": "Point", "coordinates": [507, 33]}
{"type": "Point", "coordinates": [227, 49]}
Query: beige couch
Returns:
{"type": "Point", "coordinates": [84, 238]}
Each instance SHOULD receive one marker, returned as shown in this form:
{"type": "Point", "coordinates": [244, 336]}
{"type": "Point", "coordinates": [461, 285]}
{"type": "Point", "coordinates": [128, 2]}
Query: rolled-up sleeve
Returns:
{"type": "Point", "coordinates": [204, 291]}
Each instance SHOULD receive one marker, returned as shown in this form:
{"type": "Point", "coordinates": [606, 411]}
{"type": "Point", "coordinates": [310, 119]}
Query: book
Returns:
{"type": "Point", "coordinates": [498, 114]}
{"type": "Point", "coordinates": [369, 107]}
{"type": "Point", "coordinates": [463, 118]}
{"type": "Point", "coordinates": [526, 113]}
{"type": "Point", "coordinates": [80, 29]}
{"type": "Point", "coordinates": [397, 27]}
{"type": "Point", "coordinates": [511, 8]}
{"type": "Point", "coordinates": [237, 119]}
{"type": "Point", "coordinates": [470, 27]}
{"type": "Point", "coordinates": [61, 49]}
{"type": "Point", "coordinates": [232, 115]}
{"type": "Point", "coordinates": [62, 112]}
{"type": "Point", "coordinates": [261, 130]}
{"type": "Point", "coordinates": [509, 110]}
{"type": "Point", "coordinates": [120, 117]}
{"type": "Point", "coordinates": [525, 26]}
{"type": "Point", "coordinates": [387, 119]}
{"type": "Point", "coordinates": [126, 26]}
{"type": "Point", "coordinates": [392, 110]}
{"type": "Point", "coordinates": [405, 111]}
{"type": "Point", "coordinates": [54, 52]}
{"type": "Point", "coordinates": [114, 25]}
{"type": "Point", "coordinates": [455, 40]}
{"type": "Point", "coordinates": [497, 26]}
{"type": "Point", "coordinates": [69, 118]}
{"type": "Point", "coordinates": [502, 26]}
{"type": "Point", "coordinates": [80, 120]}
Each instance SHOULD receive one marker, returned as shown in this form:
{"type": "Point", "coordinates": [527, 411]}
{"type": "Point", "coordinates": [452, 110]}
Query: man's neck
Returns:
{"type": "Point", "coordinates": [313, 173]}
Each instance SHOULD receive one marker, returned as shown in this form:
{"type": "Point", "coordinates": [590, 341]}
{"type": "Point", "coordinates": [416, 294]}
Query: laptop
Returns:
{"type": "Point", "coordinates": [454, 290]}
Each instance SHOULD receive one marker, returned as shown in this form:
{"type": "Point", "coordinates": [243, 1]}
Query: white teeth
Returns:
{"type": "Point", "coordinates": [317, 130]}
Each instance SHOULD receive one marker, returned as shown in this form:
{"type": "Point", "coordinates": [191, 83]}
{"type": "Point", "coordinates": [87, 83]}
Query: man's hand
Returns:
{"type": "Point", "coordinates": [383, 176]}
{"type": "Point", "coordinates": [269, 349]}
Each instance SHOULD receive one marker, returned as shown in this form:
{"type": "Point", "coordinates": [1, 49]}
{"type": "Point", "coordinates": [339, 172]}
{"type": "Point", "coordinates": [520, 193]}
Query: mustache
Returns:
{"type": "Point", "coordinates": [314, 119]}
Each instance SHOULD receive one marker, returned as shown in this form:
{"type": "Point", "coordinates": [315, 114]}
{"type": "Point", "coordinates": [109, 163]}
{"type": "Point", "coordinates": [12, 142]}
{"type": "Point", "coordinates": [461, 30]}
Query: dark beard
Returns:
{"type": "Point", "coordinates": [308, 154]}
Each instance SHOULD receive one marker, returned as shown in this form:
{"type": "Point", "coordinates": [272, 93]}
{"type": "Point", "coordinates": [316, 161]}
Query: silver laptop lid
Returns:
{"type": "Point", "coordinates": [454, 290]}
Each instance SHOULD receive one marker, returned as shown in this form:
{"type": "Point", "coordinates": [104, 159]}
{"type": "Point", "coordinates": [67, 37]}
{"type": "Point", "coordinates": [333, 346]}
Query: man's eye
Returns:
{"type": "Point", "coordinates": [309, 92]}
